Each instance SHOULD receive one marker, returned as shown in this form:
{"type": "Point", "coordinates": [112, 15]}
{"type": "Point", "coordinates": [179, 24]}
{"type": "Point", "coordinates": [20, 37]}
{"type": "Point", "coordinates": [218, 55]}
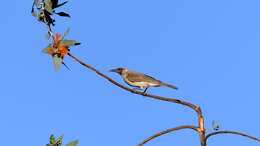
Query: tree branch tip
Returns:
{"type": "Point", "coordinates": [231, 132]}
{"type": "Point", "coordinates": [168, 131]}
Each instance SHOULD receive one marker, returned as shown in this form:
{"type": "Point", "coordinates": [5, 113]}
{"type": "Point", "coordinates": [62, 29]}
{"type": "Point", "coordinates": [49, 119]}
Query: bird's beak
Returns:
{"type": "Point", "coordinates": [114, 70]}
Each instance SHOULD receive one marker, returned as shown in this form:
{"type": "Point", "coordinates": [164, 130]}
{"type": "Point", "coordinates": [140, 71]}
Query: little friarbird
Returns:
{"type": "Point", "coordinates": [139, 80]}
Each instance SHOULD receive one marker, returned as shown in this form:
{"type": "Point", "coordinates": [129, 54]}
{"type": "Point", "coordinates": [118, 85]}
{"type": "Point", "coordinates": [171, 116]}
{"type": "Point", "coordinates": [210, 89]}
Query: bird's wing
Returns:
{"type": "Point", "coordinates": [139, 77]}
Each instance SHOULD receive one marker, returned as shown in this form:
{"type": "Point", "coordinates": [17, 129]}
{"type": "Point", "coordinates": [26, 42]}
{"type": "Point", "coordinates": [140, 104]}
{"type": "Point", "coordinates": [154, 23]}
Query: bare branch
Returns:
{"type": "Point", "coordinates": [137, 92]}
{"type": "Point", "coordinates": [230, 132]}
{"type": "Point", "coordinates": [167, 131]}
{"type": "Point", "coordinates": [200, 130]}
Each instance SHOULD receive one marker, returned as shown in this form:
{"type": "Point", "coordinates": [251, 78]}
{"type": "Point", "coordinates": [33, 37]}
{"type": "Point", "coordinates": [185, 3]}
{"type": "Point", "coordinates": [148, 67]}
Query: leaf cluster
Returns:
{"type": "Point", "coordinates": [46, 8]}
{"type": "Point", "coordinates": [58, 141]}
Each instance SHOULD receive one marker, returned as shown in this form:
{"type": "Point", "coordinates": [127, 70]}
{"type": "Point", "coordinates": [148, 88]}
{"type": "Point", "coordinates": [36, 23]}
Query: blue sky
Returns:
{"type": "Point", "coordinates": [209, 49]}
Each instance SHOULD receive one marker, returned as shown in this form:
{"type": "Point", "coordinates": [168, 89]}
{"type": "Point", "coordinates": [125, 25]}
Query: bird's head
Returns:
{"type": "Point", "coordinates": [118, 70]}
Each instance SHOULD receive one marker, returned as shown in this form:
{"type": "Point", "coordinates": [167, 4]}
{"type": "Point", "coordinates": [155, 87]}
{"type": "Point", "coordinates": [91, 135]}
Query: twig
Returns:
{"type": "Point", "coordinates": [167, 131]}
{"type": "Point", "coordinates": [230, 132]}
{"type": "Point", "coordinates": [45, 20]}
{"type": "Point", "coordinates": [48, 26]}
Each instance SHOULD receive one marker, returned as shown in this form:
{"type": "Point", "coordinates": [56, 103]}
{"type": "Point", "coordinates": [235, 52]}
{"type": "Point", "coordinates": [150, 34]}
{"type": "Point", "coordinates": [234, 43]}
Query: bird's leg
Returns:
{"type": "Point", "coordinates": [135, 88]}
{"type": "Point", "coordinates": [145, 90]}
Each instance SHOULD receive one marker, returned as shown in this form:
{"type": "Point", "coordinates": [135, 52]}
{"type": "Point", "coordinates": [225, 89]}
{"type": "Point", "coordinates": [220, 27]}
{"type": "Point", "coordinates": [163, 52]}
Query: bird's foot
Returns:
{"type": "Point", "coordinates": [145, 90]}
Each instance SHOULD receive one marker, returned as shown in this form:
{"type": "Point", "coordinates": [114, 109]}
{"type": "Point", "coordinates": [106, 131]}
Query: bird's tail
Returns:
{"type": "Point", "coordinates": [167, 85]}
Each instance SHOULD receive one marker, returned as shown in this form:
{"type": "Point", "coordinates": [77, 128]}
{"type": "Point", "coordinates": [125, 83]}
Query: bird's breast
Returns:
{"type": "Point", "coordinates": [140, 84]}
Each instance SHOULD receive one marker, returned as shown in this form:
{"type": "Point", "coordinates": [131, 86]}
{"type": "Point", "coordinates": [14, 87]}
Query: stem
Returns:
{"type": "Point", "coordinates": [167, 131]}
{"type": "Point", "coordinates": [48, 26]}
{"type": "Point", "coordinates": [231, 132]}
{"type": "Point", "coordinates": [201, 128]}
{"type": "Point", "coordinates": [45, 20]}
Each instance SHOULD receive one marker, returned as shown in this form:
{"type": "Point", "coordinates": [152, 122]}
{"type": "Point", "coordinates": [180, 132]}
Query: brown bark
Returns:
{"type": "Point", "coordinates": [167, 131]}
{"type": "Point", "coordinates": [230, 132]}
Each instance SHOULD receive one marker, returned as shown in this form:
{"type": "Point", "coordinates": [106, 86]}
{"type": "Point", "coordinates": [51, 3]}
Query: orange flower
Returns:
{"type": "Point", "coordinates": [57, 40]}
{"type": "Point", "coordinates": [51, 51]}
{"type": "Point", "coordinates": [62, 50]}
{"type": "Point", "coordinates": [59, 48]}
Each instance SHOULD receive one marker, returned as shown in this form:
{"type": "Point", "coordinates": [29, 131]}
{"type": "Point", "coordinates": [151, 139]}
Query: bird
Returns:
{"type": "Point", "coordinates": [139, 80]}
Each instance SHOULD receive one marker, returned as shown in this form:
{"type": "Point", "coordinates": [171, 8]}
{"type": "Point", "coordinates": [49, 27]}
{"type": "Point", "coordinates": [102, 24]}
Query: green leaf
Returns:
{"type": "Point", "coordinates": [74, 143]}
{"type": "Point", "coordinates": [49, 9]}
{"type": "Point", "coordinates": [67, 32]}
{"type": "Point", "coordinates": [48, 2]}
{"type": "Point", "coordinates": [63, 14]}
{"type": "Point", "coordinates": [48, 6]}
{"type": "Point", "coordinates": [52, 139]}
{"type": "Point", "coordinates": [67, 43]}
{"type": "Point", "coordinates": [47, 49]}
{"type": "Point", "coordinates": [60, 4]}
{"type": "Point", "coordinates": [57, 62]}
{"type": "Point", "coordinates": [58, 141]}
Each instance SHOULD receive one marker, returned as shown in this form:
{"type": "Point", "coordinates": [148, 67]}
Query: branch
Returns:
{"type": "Point", "coordinates": [45, 20]}
{"type": "Point", "coordinates": [137, 92]}
{"type": "Point", "coordinates": [200, 130]}
{"type": "Point", "coordinates": [231, 132]}
{"type": "Point", "coordinates": [48, 26]}
{"type": "Point", "coordinates": [167, 131]}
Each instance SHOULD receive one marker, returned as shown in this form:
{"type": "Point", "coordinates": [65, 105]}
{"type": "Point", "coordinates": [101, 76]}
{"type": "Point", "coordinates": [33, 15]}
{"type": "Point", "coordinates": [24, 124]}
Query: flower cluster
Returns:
{"type": "Point", "coordinates": [58, 49]}
{"type": "Point", "coordinates": [60, 46]}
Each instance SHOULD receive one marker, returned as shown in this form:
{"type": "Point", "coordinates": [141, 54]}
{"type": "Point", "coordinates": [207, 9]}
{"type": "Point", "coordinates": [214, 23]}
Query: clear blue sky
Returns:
{"type": "Point", "coordinates": [209, 49]}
